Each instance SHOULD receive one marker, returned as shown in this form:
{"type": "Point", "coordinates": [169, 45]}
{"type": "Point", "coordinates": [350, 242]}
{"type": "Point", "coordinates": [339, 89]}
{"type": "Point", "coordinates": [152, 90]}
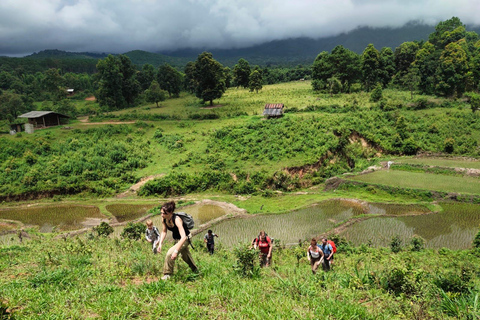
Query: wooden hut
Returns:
{"type": "Point", "coordinates": [273, 110]}
{"type": "Point", "coordinates": [43, 119]}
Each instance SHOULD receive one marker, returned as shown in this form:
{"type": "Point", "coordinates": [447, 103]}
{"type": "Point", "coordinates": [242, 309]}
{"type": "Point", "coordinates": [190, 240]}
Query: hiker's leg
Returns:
{"type": "Point", "coordinates": [169, 264]}
{"type": "Point", "coordinates": [187, 256]}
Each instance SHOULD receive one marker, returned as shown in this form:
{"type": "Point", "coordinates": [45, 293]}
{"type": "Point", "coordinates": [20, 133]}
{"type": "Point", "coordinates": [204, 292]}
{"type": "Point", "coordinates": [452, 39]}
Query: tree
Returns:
{"type": "Point", "coordinates": [321, 70]}
{"type": "Point", "coordinates": [228, 77]}
{"type": "Point", "coordinates": [241, 73]}
{"type": "Point", "coordinates": [169, 80]}
{"type": "Point", "coordinates": [189, 79]}
{"type": "Point", "coordinates": [54, 83]}
{"type": "Point", "coordinates": [411, 80]}
{"type": "Point", "coordinates": [404, 56]}
{"type": "Point", "coordinates": [255, 81]}
{"type": "Point", "coordinates": [441, 37]}
{"type": "Point", "coordinates": [370, 67]}
{"type": "Point", "coordinates": [154, 93]}
{"type": "Point", "coordinates": [452, 70]}
{"type": "Point", "coordinates": [346, 66]}
{"type": "Point", "coordinates": [146, 76]}
{"type": "Point", "coordinates": [426, 63]}
{"type": "Point", "coordinates": [117, 85]}
{"type": "Point", "coordinates": [11, 106]}
{"type": "Point", "coordinates": [209, 78]}
{"type": "Point", "coordinates": [387, 66]}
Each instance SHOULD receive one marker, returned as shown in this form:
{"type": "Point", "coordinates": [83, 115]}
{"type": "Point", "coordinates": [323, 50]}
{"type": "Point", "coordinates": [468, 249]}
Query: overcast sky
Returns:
{"type": "Point", "coordinates": [118, 26]}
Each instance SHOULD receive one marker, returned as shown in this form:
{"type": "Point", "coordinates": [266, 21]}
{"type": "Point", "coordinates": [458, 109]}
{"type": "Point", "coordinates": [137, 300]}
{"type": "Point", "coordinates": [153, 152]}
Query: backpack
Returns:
{"type": "Point", "coordinates": [187, 220]}
{"type": "Point", "coordinates": [334, 248]}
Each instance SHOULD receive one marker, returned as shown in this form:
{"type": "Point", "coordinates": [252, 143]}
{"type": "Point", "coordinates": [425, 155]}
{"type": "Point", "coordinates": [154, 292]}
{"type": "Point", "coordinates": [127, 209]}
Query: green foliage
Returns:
{"type": "Point", "coordinates": [396, 244]}
{"type": "Point", "coordinates": [476, 241]}
{"type": "Point", "coordinates": [377, 93]}
{"type": "Point", "coordinates": [133, 231]}
{"type": "Point", "coordinates": [246, 262]}
{"type": "Point", "coordinates": [418, 243]}
{"type": "Point", "coordinates": [209, 78]}
{"type": "Point", "coordinates": [103, 229]}
{"type": "Point", "coordinates": [457, 281]}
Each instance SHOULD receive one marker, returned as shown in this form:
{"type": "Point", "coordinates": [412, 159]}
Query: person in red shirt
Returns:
{"type": "Point", "coordinates": [264, 243]}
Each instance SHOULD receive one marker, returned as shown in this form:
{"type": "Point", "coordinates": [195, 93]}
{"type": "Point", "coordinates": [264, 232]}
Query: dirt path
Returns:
{"type": "Point", "coordinates": [133, 189]}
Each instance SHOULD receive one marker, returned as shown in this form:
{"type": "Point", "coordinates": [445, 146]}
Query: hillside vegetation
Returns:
{"type": "Point", "coordinates": [101, 278]}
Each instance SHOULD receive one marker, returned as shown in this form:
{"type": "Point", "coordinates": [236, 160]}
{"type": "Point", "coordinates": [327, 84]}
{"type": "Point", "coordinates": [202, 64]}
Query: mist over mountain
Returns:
{"type": "Point", "coordinates": [289, 52]}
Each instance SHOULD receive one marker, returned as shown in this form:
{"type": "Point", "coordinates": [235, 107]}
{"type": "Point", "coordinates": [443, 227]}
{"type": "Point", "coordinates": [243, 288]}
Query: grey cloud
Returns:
{"type": "Point", "coordinates": [119, 26]}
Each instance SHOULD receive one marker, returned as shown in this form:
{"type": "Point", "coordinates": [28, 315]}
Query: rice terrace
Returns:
{"type": "Point", "coordinates": [379, 153]}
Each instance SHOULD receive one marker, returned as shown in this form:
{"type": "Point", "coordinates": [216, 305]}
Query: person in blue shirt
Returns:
{"type": "Point", "coordinates": [327, 254]}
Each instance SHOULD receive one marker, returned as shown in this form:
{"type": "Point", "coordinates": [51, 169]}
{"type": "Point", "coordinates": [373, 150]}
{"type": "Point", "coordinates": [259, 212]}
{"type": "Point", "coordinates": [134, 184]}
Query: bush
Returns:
{"type": "Point", "coordinates": [476, 241]}
{"type": "Point", "coordinates": [396, 244]}
{"type": "Point", "coordinates": [133, 231]}
{"type": "Point", "coordinates": [103, 230]}
{"type": "Point", "coordinates": [418, 243]}
{"type": "Point", "coordinates": [377, 93]}
{"type": "Point", "coordinates": [246, 265]}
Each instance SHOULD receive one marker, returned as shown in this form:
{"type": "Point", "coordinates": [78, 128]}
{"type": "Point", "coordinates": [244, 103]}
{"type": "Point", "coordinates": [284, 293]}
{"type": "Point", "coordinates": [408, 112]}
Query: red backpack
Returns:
{"type": "Point", "coordinates": [334, 248]}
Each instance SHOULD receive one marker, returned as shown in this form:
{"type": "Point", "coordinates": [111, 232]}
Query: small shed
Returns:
{"type": "Point", "coordinates": [43, 119]}
{"type": "Point", "coordinates": [273, 110]}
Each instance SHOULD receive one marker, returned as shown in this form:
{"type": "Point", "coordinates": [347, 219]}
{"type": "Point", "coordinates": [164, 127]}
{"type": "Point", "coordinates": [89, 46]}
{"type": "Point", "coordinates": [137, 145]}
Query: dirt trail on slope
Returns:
{"type": "Point", "coordinates": [133, 189]}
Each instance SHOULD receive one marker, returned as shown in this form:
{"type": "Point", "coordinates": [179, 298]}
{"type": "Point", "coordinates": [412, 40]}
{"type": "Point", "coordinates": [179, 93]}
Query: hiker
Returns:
{"type": "Point", "coordinates": [314, 255]}
{"type": "Point", "coordinates": [209, 240]}
{"type": "Point", "coordinates": [264, 243]}
{"type": "Point", "coordinates": [181, 236]}
{"type": "Point", "coordinates": [152, 235]}
{"type": "Point", "coordinates": [327, 254]}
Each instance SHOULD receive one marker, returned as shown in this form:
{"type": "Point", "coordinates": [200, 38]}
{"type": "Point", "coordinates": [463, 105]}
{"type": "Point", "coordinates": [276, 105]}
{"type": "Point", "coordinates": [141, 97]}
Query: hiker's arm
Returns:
{"type": "Point", "coordinates": [270, 250]}
{"type": "Point", "coordinates": [147, 237]}
{"type": "Point", "coordinates": [162, 236]}
{"type": "Point", "coordinates": [331, 253]}
{"type": "Point", "coordinates": [183, 237]}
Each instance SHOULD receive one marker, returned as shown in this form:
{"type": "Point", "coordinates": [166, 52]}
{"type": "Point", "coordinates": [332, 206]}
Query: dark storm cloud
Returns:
{"type": "Point", "coordinates": [119, 26]}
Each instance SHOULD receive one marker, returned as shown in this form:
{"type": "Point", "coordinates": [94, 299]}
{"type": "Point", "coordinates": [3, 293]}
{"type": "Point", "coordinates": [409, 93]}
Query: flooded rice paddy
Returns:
{"type": "Point", "coordinates": [454, 227]}
{"type": "Point", "coordinates": [54, 218]}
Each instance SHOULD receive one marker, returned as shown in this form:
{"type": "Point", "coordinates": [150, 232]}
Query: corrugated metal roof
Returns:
{"type": "Point", "coordinates": [274, 106]}
{"type": "Point", "coordinates": [38, 114]}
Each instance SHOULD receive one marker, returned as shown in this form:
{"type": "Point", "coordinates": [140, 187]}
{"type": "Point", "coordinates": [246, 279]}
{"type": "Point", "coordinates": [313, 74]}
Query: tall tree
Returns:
{"type": "Point", "coordinates": [189, 79]}
{"type": "Point", "coordinates": [404, 56]}
{"type": "Point", "coordinates": [169, 80]}
{"type": "Point", "coordinates": [387, 66]}
{"type": "Point", "coordinates": [255, 81]}
{"type": "Point", "coordinates": [241, 73]}
{"type": "Point", "coordinates": [452, 70]}
{"type": "Point", "coordinates": [370, 67]}
{"type": "Point", "coordinates": [209, 78]}
{"type": "Point", "coordinates": [54, 83]}
{"type": "Point", "coordinates": [346, 64]}
{"type": "Point", "coordinates": [146, 76]}
{"type": "Point", "coordinates": [322, 70]}
{"type": "Point", "coordinates": [117, 85]}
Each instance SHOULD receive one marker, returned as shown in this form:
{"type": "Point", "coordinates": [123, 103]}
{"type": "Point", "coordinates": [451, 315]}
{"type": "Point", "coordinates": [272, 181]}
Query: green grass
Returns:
{"type": "Point", "coordinates": [423, 181]}
{"type": "Point", "coordinates": [441, 162]}
{"type": "Point", "coordinates": [119, 279]}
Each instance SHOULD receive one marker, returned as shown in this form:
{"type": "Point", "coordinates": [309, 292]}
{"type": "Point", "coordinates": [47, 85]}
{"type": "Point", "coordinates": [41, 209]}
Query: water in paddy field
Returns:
{"type": "Point", "coordinates": [454, 228]}
{"type": "Point", "coordinates": [53, 218]}
{"type": "Point", "coordinates": [289, 227]}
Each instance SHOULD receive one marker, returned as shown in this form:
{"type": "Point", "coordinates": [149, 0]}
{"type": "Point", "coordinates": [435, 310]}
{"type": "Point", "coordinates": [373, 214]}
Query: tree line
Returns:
{"type": "Point", "coordinates": [448, 64]}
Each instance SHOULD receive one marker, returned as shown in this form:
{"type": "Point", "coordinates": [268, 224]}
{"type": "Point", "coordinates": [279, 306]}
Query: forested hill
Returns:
{"type": "Point", "coordinates": [304, 50]}
{"type": "Point", "coordinates": [290, 52]}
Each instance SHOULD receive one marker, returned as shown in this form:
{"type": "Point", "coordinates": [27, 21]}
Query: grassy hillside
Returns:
{"type": "Point", "coordinates": [103, 278]}
{"type": "Point", "coordinates": [231, 148]}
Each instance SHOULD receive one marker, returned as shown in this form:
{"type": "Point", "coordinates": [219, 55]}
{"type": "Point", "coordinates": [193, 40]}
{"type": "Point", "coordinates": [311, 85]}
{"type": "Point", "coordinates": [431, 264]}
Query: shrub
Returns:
{"type": "Point", "coordinates": [448, 145]}
{"type": "Point", "coordinates": [476, 241]}
{"type": "Point", "coordinates": [454, 282]}
{"type": "Point", "coordinates": [246, 265]}
{"type": "Point", "coordinates": [103, 230]}
{"type": "Point", "coordinates": [396, 244]}
{"type": "Point", "coordinates": [418, 243]}
{"type": "Point", "coordinates": [377, 93]}
{"type": "Point", "coordinates": [133, 231]}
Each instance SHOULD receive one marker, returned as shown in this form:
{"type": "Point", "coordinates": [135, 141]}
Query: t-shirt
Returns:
{"type": "Point", "coordinates": [327, 249]}
{"type": "Point", "coordinates": [175, 231]}
{"type": "Point", "coordinates": [264, 245]}
{"type": "Point", "coordinates": [210, 240]}
{"type": "Point", "coordinates": [152, 234]}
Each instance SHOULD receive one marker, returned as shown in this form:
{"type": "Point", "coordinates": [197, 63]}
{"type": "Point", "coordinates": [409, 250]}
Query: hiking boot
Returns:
{"type": "Point", "coordinates": [166, 277]}
{"type": "Point", "coordinates": [154, 250]}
